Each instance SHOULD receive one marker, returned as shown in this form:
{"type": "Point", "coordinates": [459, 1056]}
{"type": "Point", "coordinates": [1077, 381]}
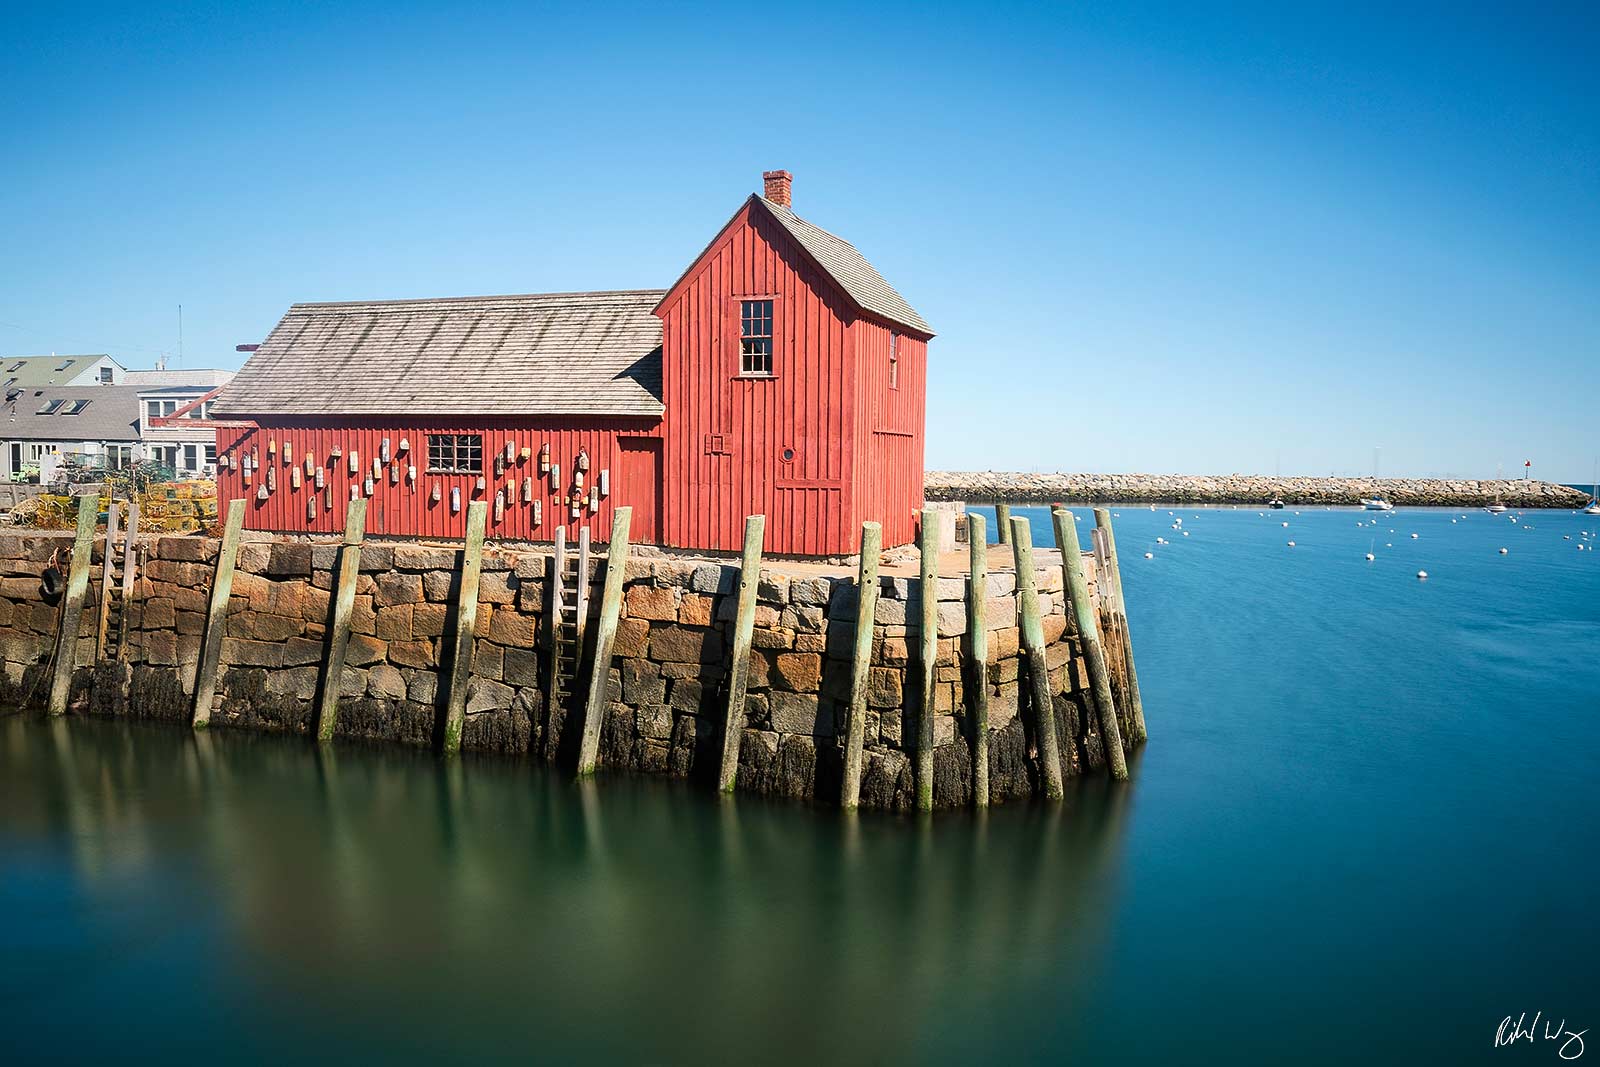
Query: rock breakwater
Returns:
{"type": "Point", "coordinates": [1249, 489]}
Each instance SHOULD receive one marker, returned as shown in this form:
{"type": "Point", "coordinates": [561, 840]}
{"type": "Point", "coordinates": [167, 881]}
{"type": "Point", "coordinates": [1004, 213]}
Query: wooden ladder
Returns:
{"type": "Point", "coordinates": [569, 610]}
{"type": "Point", "coordinates": [116, 584]}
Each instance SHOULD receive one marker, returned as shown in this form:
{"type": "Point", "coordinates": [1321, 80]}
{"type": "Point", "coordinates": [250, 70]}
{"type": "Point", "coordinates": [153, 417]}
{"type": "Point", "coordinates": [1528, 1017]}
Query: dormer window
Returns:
{"type": "Point", "coordinates": [894, 360]}
{"type": "Point", "coordinates": [755, 338]}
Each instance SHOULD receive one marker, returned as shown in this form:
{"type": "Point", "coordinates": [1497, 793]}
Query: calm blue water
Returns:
{"type": "Point", "coordinates": [1364, 828]}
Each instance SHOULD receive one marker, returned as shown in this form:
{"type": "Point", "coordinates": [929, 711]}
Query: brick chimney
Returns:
{"type": "Point", "coordinates": [780, 186]}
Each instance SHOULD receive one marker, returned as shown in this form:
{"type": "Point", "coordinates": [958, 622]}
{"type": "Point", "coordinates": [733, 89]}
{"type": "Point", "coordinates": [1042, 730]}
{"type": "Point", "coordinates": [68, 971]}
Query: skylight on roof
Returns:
{"type": "Point", "coordinates": [76, 407]}
{"type": "Point", "coordinates": [65, 364]}
{"type": "Point", "coordinates": [51, 407]}
{"type": "Point", "coordinates": [18, 365]}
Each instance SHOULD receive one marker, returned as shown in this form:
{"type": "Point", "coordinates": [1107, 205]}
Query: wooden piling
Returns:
{"type": "Point", "coordinates": [755, 527]}
{"type": "Point", "coordinates": [1136, 730]}
{"type": "Point", "coordinates": [861, 662]}
{"type": "Point", "coordinates": [978, 655]}
{"type": "Point", "coordinates": [1088, 622]}
{"type": "Point", "coordinates": [605, 638]}
{"type": "Point", "coordinates": [205, 679]}
{"type": "Point", "coordinates": [1002, 522]}
{"type": "Point", "coordinates": [344, 602]}
{"type": "Point", "coordinates": [129, 562]}
{"type": "Point", "coordinates": [1033, 651]}
{"type": "Point", "coordinates": [928, 631]}
{"type": "Point", "coordinates": [72, 606]}
{"type": "Point", "coordinates": [455, 708]}
{"type": "Point", "coordinates": [107, 565]}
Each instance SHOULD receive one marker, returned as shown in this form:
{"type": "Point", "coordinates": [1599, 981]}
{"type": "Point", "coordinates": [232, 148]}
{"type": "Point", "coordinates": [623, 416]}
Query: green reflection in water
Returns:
{"type": "Point", "coordinates": [321, 901]}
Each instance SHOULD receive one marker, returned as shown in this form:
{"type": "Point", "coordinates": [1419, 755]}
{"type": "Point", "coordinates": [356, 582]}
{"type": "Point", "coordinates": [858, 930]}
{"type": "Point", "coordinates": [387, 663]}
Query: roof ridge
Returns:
{"type": "Point", "coordinates": [469, 299]}
{"type": "Point", "coordinates": [851, 270]}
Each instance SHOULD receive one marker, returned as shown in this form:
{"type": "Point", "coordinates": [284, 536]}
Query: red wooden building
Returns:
{"type": "Point", "coordinates": [780, 375]}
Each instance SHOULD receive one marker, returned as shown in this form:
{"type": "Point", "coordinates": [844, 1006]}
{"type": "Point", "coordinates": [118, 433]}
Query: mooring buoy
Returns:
{"type": "Point", "coordinates": [1422, 574]}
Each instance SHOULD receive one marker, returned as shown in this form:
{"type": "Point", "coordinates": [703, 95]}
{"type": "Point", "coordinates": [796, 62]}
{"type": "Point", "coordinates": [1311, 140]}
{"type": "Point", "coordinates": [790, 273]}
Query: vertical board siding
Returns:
{"type": "Point", "coordinates": [809, 405]}
{"type": "Point", "coordinates": [407, 508]}
{"type": "Point", "coordinates": [890, 429]}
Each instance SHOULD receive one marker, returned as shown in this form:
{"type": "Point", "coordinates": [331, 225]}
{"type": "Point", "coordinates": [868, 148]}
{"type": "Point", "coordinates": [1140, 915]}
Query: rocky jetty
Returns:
{"type": "Point", "coordinates": [1249, 489]}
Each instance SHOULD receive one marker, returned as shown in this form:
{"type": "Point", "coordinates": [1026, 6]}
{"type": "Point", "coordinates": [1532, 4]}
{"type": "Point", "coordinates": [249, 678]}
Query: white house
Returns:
{"type": "Point", "coordinates": [188, 444]}
{"type": "Point", "coordinates": [94, 424]}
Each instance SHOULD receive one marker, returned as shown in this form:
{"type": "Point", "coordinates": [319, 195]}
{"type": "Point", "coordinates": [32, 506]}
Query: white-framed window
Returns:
{"type": "Point", "coordinates": [755, 338]}
{"type": "Point", "coordinates": [894, 360]}
{"type": "Point", "coordinates": [455, 453]}
{"type": "Point", "coordinates": [107, 375]}
{"type": "Point", "coordinates": [191, 457]}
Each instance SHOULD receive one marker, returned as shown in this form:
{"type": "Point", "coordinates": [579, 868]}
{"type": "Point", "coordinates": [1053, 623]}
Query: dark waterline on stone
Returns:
{"type": "Point", "coordinates": [1363, 827]}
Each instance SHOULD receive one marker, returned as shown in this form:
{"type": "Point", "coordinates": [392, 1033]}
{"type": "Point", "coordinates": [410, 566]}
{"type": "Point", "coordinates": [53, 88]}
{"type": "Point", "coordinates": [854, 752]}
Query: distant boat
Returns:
{"type": "Point", "coordinates": [1497, 507]}
{"type": "Point", "coordinates": [1275, 504]}
{"type": "Point", "coordinates": [1375, 502]}
{"type": "Point", "coordinates": [1594, 496]}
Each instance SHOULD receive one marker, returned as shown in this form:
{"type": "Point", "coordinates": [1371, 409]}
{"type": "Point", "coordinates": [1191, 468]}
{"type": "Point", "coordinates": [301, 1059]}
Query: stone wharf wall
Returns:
{"type": "Point", "coordinates": [667, 695]}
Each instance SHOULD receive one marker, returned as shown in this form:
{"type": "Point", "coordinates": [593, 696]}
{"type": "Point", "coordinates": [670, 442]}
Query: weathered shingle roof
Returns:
{"type": "Point", "coordinates": [540, 354]}
{"type": "Point", "coordinates": [849, 268]}
{"type": "Point", "coordinates": [111, 415]}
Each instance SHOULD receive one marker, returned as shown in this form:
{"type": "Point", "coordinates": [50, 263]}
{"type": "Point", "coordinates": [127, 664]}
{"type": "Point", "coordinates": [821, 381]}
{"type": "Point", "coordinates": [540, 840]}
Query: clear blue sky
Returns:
{"type": "Point", "coordinates": [1151, 238]}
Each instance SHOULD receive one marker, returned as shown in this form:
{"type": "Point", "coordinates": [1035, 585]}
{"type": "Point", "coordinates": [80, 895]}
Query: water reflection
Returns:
{"type": "Point", "coordinates": [482, 906]}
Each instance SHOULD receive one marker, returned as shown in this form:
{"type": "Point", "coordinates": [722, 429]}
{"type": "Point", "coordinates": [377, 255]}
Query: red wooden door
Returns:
{"type": "Point", "coordinates": [639, 487]}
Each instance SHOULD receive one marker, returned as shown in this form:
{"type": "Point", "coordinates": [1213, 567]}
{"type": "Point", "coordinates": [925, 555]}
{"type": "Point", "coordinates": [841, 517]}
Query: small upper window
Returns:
{"type": "Point", "coordinates": [106, 375]}
{"type": "Point", "coordinates": [894, 361]}
{"type": "Point", "coordinates": [455, 453]}
{"type": "Point", "coordinates": [755, 338]}
{"type": "Point", "coordinates": [76, 407]}
{"type": "Point", "coordinates": [152, 409]}
{"type": "Point", "coordinates": [51, 407]}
